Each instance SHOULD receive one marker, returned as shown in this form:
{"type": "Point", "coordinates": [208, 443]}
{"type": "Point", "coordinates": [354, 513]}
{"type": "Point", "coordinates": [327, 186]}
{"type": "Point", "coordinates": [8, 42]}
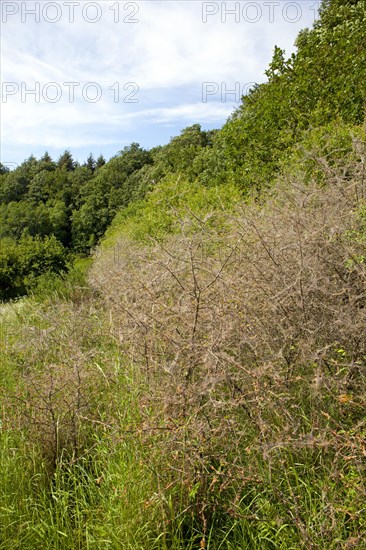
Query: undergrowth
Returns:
{"type": "Point", "coordinates": [202, 388]}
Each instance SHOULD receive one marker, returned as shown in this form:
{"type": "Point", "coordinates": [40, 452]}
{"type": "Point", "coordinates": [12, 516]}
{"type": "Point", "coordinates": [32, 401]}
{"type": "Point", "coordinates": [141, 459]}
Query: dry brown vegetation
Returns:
{"type": "Point", "coordinates": [60, 383]}
{"type": "Point", "coordinates": [250, 339]}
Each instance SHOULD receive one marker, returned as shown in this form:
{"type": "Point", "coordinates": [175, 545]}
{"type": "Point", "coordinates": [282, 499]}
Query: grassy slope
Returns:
{"type": "Point", "coordinates": [205, 390]}
{"type": "Point", "coordinates": [203, 386]}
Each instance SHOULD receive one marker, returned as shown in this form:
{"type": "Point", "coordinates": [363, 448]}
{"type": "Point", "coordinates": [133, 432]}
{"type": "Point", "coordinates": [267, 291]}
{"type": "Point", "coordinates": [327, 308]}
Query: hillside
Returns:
{"type": "Point", "coordinates": [199, 380]}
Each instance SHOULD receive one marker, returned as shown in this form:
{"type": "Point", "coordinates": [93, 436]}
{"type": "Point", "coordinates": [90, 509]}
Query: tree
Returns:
{"type": "Point", "coordinates": [46, 158]}
{"type": "Point", "coordinates": [66, 161]}
{"type": "Point", "coordinates": [46, 163]}
{"type": "Point", "coordinates": [180, 153]}
{"type": "Point", "coordinates": [42, 187]}
{"type": "Point", "coordinates": [3, 169]}
{"type": "Point", "coordinates": [90, 163]}
{"type": "Point", "coordinates": [100, 161]}
{"type": "Point", "coordinates": [14, 185]}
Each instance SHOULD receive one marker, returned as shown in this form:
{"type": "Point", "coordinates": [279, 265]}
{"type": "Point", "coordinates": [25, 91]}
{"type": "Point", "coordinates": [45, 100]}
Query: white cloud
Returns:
{"type": "Point", "coordinates": [169, 53]}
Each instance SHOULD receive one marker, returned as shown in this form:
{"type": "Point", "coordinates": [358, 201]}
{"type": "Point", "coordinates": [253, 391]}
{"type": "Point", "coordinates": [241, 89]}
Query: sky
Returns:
{"type": "Point", "coordinates": [94, 77]}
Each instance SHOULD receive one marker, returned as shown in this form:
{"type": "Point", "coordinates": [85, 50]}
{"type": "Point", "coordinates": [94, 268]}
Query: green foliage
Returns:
{"type": "Point", "coordinates": [90, 163]}
{"type": "Point", "coordinates": [13, 186]}
{"type": "Point", "coordinates": [323, 81]}
{"type": "Point", "coordinates": [68, 285]}
{"type": "Point", "coordinates": [167, 207]}
{"type": "Point", "coordinates": [179, 155]}
{"type": "Point", "coordinates": [66, 161]}
{"type": "Point", "coordinates": [3, 169]}
{"type": "Point", "coordinates": [22, 261]}
{"type": "Point", "coordinates": [324, 150]}
{"type": "Point", "coordinates": [100, 161]}
{"type": "Point", "coordinates": [101, 196]}
{"type": "Point", "coordinates": [72, 203]}
{"type": "Point", "coordinates": [42, 187]}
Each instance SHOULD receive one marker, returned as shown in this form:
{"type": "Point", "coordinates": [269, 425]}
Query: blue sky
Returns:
{"type": "Point", "coordinates": [96, 76]}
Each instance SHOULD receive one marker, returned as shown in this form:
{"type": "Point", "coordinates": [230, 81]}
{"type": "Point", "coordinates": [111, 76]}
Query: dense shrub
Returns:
{"type": "Point", "coordinates": [21, 262]}
{"type": "Point", "coordinates": [249, 341]}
